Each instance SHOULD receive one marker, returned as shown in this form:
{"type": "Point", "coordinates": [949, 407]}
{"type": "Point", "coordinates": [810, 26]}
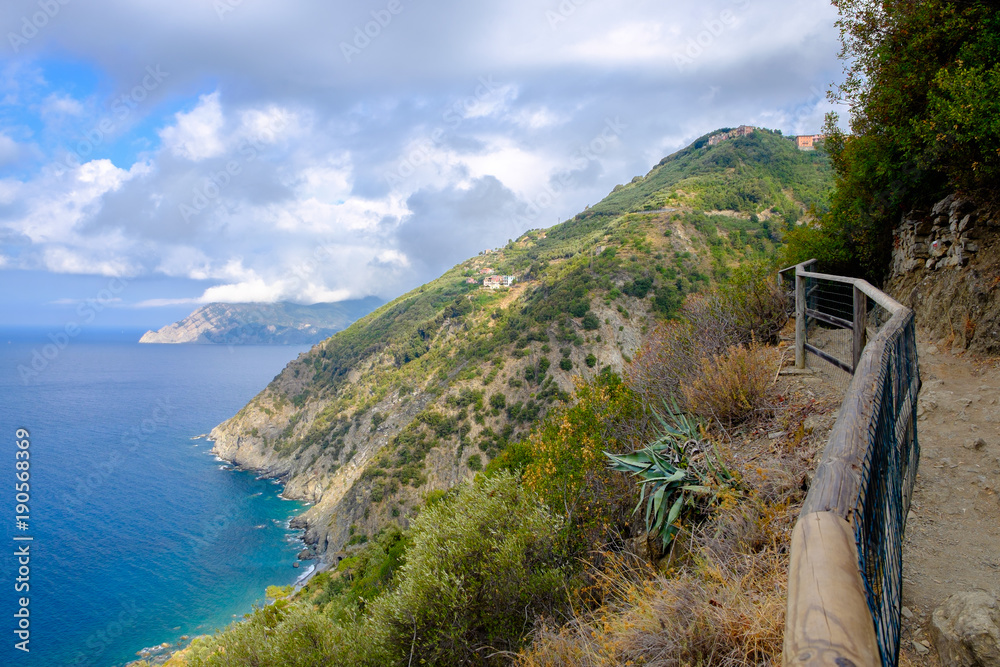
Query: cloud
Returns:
{"type": "Point", "coordinates": [195, 136]}
{"type": "Point", "coordinates": [61, 105]}
{"type": "Point", "coordinates": [267, 164]}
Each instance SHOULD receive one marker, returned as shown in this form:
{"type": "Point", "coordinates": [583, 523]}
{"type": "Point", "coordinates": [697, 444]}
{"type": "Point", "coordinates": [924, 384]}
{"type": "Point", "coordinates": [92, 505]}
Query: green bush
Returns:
{"type": "Point", "coordinates": [566, 364]}
{"type": "Point", "coordinates": [591, 360]}
{"type": "Point", "coordinates": [590, 322]}
{"type": "Point", "coordinates": [482, 566]}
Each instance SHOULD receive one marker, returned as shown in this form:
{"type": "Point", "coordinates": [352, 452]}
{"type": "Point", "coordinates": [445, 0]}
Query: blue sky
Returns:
{"type": "Point", "coordinates": [249, 150]}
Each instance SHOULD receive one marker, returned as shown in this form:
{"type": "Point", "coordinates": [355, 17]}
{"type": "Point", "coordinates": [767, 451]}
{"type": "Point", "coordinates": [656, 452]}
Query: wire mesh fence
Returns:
{"type": "Point", "coordinates": [884, 431]}
{"type": "Point", "coordinates": [835, 301]}
{"type": "Point", "coordinates": [887, 479]}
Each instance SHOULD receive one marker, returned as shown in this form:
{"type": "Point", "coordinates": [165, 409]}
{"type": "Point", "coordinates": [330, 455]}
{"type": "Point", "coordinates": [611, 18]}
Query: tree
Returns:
{"type": "Point", "coordinates": [922, 85]}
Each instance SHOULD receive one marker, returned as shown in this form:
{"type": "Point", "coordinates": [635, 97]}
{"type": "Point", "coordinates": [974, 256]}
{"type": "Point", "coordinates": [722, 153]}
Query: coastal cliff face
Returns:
{"type": "Point", "coordinates": [357, 482]}
{"type": "Point", "coordinates": [946, 267]}
{"type": "Point", "coordinates": [422, 393]}
{"type": "Point", "coordinates": [262, 323]}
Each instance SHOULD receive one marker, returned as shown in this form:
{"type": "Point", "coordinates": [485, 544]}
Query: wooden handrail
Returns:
{"type": "Point", "coordinates": [828, 621]}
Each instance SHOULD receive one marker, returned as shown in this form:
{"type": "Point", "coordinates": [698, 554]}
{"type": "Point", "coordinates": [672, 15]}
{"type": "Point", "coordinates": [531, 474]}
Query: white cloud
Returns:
{"type": "Point", "coordinates": [470, 109]}
{"type": "Point", "coordinates": [61, 105]}
{"type": "Point", "coordinates": [195, 136]}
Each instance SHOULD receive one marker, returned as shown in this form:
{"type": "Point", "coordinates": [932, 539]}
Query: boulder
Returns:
{"type": "Point", "coordinates": [966, 630]}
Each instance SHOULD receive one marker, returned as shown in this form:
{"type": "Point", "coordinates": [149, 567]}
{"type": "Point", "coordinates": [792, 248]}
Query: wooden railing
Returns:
{"type": "Point", "coordinates": [844, 581]}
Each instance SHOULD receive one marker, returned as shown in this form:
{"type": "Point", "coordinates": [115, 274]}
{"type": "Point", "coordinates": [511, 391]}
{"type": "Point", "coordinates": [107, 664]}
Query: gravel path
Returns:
{"type": "Point", "coordinates": [953, 532]}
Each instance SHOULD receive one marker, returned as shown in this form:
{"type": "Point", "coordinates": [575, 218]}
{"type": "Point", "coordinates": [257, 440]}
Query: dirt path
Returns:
{"type": "Point", "coordinates": [953, 532]}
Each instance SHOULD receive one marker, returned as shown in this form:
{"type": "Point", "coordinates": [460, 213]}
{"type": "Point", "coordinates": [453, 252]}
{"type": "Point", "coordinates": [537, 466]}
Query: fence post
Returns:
{"type": "Point", "coordinates": [800, 318]}
{"type": "Point", "coordinates": [860, 325]}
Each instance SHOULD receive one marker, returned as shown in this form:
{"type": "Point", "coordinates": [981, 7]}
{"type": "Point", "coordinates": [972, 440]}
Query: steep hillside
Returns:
{"type": "Point", "coordinates": [421, 393]}
{"type": "Point", "coordinates": [263, 323]}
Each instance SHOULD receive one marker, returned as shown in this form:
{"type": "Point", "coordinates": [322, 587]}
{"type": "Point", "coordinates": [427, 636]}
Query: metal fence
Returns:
{"type": "Point", "coordinates": [863, 484]}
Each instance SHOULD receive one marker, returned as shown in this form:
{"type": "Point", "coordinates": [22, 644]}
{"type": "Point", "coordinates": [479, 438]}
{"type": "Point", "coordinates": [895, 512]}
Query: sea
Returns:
{"type": "Point", "coordinates": [136, 535]}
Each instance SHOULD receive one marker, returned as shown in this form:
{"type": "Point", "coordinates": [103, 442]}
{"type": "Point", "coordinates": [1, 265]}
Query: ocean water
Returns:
{"type": "Point", "coordinates": [139, 535]}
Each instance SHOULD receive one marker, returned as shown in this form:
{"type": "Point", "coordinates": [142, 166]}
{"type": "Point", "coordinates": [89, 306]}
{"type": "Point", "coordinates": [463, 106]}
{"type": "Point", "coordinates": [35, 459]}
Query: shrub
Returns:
{"type": "Point", "coordinates": [590, 322]}
{"type": "Point", "coordinates": [567, 468]}
{"type": "Point", "coordinates": [475, 463]}
{"type": "Point", "coordinates": [734, 386]}
{"type": "Point", "coordinates": [749, 308]}
{"type": "Point", "coordinates": [482, 565]}
{"type": "Point", "coordinates": [591, 360]}
{"type": "Point", "coordinates": [566, 364]}
{"type": "Point", "coordinates": [754, 301]}
{"type": "Point", "coordinates": [498, 401]}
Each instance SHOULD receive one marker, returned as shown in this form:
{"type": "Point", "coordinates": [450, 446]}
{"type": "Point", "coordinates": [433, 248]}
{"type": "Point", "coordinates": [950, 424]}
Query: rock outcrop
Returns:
{"type": "Point", "coordinates": [946, 267]}
{"type": "Point", "coordinates": [966, 630]}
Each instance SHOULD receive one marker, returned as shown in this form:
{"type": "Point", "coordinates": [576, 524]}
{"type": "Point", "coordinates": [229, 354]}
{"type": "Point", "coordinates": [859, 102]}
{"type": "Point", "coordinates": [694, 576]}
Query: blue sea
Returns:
{"type": "Point", "coordinates": [139, 535]}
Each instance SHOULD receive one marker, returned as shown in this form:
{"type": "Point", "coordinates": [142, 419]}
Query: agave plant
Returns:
{"type": "Point", "coordinates": [679, 469]}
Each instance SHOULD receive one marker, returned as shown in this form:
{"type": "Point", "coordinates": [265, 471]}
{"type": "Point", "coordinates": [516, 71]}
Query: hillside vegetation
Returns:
{"type": "Point", "coordinates": [422, 393]}
{"type": "Point", "coordinates": [456, 443]}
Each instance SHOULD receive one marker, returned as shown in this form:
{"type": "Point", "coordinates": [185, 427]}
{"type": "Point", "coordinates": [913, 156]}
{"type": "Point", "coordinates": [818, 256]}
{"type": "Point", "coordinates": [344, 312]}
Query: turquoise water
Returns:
{"type": "Point", "coordinates": [139, 534]}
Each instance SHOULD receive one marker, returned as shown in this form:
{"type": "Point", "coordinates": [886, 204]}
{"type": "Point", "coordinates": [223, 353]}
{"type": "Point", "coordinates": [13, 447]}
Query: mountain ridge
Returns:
{"type": "Point", "coordinates": [279, 323]}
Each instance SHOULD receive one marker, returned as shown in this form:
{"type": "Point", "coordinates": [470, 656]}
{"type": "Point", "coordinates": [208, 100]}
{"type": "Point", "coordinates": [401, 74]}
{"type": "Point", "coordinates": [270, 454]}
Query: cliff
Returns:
{"type": "Point", "coordinates": [262, 323]}
{"type": "Point", "coordinates": [421, 393]}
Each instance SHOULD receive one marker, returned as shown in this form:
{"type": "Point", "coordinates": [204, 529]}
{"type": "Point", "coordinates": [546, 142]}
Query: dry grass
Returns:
{"type": "Point", "coordinates": [726, 607]}
{"type": "Point", "coordinates": [721, 601]}
{"type": "Point", "coordinates": [733, 386]}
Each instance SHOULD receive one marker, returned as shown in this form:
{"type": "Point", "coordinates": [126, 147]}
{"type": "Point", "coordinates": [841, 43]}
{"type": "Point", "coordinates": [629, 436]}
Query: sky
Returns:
{"type": "Point", "coordinates": [159, 155]}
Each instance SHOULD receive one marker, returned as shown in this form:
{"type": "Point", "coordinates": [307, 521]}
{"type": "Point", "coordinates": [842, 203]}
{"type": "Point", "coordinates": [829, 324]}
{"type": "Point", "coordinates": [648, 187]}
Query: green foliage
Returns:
{"type": "Point", "coordinates": [747, 174]}
{"type": "Point", "coordinates": [679, 474]}
{"type": "Point", "coordinates": [754, 301]}
{"type": "Point", "coordinates": [922, 87]}
{"type": "Point", "coordinates": [481, 566]}
{"type": "Point", "coordinates": [565, 364]}
{"type": "Point", "coordinates": [475, 463]}
{"type": "Point", "coordinates": [565, 466]}
{"type": "Point", "coordinates": [591, 360]}
{"type": "Point", "coordinates": [590, 322]}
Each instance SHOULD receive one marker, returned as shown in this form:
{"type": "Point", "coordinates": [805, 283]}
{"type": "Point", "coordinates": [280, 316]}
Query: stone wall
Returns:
{"type": "Point", "coordinates": [947, 236]}
{"type": "Point", "coordinates": [946, 267]}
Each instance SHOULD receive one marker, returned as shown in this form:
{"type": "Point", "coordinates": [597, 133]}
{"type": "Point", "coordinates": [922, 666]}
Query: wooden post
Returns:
{"type": "Point", "coordinates": [800, 318]}
{"type": "Point", "coordinates": [827, 622]}
{"type": "Point", "coordinates": [860, 325]}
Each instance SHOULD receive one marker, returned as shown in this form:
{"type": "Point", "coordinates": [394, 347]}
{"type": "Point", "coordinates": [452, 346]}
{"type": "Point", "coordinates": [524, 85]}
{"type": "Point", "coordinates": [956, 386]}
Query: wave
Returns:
{"type": "Point", "coordinates": [305, 575]}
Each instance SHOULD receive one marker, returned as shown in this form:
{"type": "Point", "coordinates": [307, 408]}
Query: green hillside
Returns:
{"type": "Point", "coordinates": [747, 174]}
{"type": "Point", "coordinates": [424, 391]}
{"type": "Point", "coordinates": [380, 425]}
